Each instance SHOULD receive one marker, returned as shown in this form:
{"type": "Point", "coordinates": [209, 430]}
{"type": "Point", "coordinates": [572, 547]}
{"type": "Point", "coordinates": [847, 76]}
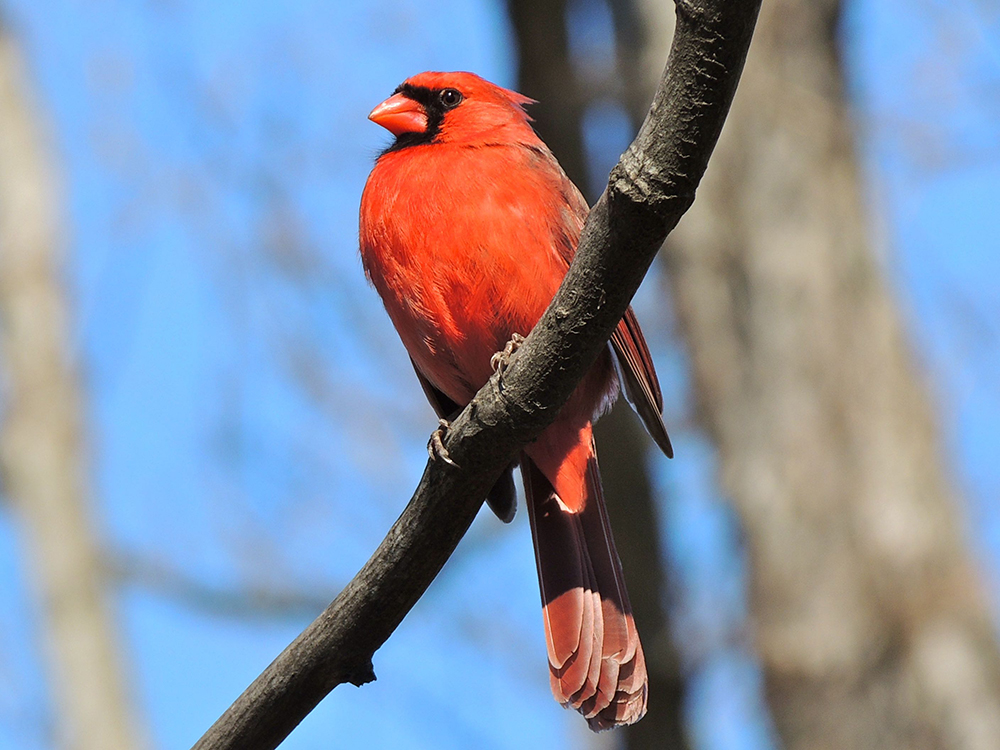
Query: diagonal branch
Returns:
{"type": "Point", "coordinates": [649, 190]}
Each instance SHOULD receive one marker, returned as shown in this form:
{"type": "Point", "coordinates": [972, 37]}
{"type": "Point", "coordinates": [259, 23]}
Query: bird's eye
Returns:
{"type": "Point", "coordinates": [451, 98]}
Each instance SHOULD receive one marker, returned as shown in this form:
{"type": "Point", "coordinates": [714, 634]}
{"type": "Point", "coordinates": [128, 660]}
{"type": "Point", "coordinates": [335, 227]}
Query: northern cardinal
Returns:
{"type": "Point", "coordinates": [468, 225]}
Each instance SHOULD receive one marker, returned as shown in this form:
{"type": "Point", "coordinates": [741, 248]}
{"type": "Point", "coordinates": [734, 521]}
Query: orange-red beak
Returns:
{"type": "Point", "coordinates": [399, 114]}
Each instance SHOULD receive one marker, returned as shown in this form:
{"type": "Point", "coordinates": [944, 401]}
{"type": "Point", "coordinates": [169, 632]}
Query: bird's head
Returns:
{"type": "Point", "coordinates": [453, 108]}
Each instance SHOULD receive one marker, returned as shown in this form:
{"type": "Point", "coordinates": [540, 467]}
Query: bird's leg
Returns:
{"type": "Point", "coordinates": [435, 446]}
{"type": "Point", "coordinates": [501, 360]}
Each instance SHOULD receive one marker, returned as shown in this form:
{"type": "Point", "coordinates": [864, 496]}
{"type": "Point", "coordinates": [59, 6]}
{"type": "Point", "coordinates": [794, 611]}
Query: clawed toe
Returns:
{"type": "Point", "coordinates": [435, 446]}
{"type": "Point", "coordinates": [501, 359]}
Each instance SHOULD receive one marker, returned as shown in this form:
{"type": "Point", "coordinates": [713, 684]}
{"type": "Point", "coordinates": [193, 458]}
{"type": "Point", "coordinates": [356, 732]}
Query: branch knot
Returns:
{"type": "Point", "coordinates": [362, 674]}
{"type": "Point", "coordinates": [696, 13]}
{"type": "Point", "coordinates": [638, 180]}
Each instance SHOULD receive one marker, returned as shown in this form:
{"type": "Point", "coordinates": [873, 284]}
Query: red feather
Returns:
{"type": "Point", "coordinates": [468, 225]}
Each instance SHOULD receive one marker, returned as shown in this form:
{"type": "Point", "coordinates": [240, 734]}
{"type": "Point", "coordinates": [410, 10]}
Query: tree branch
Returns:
{"type": "Point", "coordinates": [649, 190]}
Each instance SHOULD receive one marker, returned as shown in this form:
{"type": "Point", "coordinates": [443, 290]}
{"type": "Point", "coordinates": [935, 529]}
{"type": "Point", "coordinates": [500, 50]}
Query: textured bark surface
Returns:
{"type": "Point", "coordinates": [869, 619]}
{"type": "Point", "coordinates": [545, 73]}
{"type": "Point", "coordinates": [41, 444]}
{"type": "Point", "coordinates": [648, 191]}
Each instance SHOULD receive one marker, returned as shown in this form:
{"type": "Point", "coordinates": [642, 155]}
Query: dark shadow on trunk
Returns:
{"type": "Point", "coordinates": [545, 73]}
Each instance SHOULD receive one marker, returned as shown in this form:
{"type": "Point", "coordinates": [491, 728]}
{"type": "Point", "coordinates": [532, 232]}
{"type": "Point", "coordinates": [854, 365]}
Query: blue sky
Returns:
{"type": "Point", "coordinates": [253, 419]}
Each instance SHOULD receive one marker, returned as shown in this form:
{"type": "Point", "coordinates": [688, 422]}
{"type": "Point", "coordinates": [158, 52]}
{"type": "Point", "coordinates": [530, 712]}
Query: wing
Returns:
{"type": "Point", "coordinates": [443, 406]}
{"type": "Point", "coordinates": [642, 389]}
{"type": "Point", "coordinates": [641, 386]}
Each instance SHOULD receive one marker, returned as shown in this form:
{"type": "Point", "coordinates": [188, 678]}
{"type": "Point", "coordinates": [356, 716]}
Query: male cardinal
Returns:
{"type": "Point", "coordinates": [468, 225]}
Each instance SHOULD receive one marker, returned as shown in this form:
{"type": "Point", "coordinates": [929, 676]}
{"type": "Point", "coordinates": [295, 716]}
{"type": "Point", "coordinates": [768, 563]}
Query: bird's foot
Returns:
{"type": "Point", "coordinates": [500, 361]}
{"type": "Point", "coordinates": [435, 446]}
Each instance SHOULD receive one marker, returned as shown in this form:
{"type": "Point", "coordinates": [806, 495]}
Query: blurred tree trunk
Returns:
{"type": "Point", "coordinates": [545, 73]}
{"type": "Point", "coordinates": [41, 444]}
{"type": "Point", "coordinates": [869, 620]}
{"type": "Point", "coordinates": [623, 446]}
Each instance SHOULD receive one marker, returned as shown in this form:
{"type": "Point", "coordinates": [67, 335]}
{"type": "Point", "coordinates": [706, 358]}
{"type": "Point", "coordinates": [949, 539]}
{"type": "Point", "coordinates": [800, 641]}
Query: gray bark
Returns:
{"type": "Point", "coordinates": [870, 622]}
{"type": "Point", "coordinates": [41, 442]}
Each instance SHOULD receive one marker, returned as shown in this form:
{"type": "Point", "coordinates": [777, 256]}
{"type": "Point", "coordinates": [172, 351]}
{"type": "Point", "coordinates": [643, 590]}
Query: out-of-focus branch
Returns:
{"type": "Point", "coordinates": [643, 29]}
{"type": "Point", "coordinates": [649, 190]}
{"type": "Point", "coordinates": [247, 602]}
{"type": "Point", "coordinates": [544, 66]}
{"type": "Point", "coordinates": [41, 445]}
{"type": "Point", "coordinates": [622, 445]}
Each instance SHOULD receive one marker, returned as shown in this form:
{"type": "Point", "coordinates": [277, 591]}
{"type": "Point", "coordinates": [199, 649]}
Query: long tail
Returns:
{"type": "Point", "coordinates": [596, 663]}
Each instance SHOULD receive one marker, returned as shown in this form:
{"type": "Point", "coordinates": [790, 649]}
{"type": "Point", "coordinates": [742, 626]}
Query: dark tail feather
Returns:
{"type": "Point", "coordinates": [595, 659]}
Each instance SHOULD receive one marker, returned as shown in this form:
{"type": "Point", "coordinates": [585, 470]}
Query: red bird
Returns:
{"type": "Point", "coordinates": [468, 225]}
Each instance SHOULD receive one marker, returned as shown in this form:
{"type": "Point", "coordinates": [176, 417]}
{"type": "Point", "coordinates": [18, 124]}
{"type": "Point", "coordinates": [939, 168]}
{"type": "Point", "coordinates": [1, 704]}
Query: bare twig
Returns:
{"type": "Point", "coordinates": [649, 190]}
